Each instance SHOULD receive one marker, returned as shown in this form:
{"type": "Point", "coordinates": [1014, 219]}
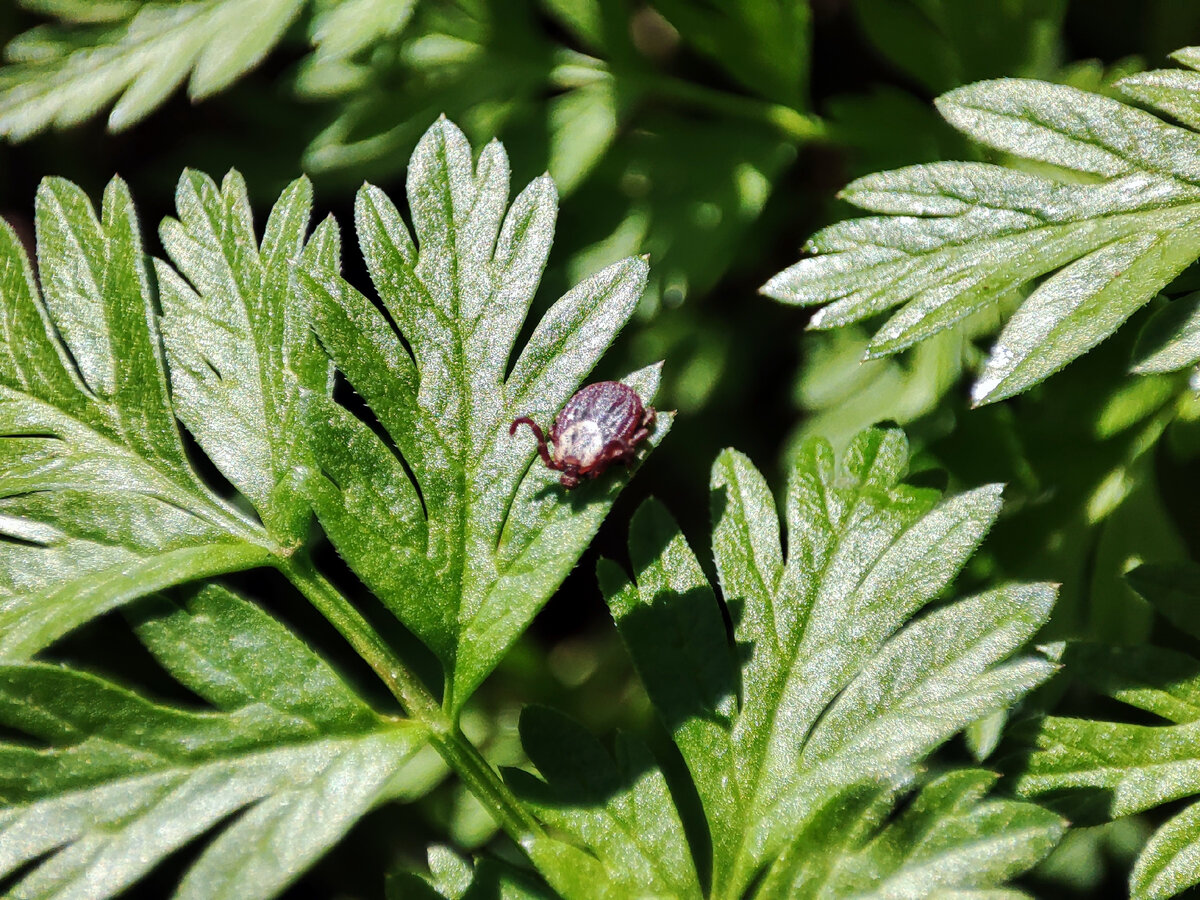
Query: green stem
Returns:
{"type": "Point", "coordinates": [794, 124]}
{"type": "Point", "coordinates": [460, 754]}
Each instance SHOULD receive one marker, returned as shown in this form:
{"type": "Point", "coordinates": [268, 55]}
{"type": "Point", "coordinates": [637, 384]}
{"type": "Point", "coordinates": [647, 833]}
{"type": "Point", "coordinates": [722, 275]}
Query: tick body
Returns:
{"type": "Point", "coordinates": [602, 424]}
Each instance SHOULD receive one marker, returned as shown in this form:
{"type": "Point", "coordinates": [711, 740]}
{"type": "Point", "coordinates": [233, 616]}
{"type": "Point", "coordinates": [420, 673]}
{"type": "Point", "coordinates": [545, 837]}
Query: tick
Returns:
{"type": "Point", "coordinates": [602, 424]}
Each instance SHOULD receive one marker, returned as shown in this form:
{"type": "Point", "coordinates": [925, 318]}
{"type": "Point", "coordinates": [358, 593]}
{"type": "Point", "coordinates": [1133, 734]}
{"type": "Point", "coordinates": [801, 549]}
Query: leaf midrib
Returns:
{"type": "Point", "coordinates": [1174, 214]}
{"type": "Point", "coordinates": [1139, 164]}
{"type": "Point", "coordinates": [855, 498]}
{"type": "Point", "coordinates": [177, 489]}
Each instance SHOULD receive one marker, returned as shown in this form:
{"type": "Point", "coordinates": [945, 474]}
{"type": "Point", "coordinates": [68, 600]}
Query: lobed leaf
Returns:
{"type": "Point", "coordinates": [950, 841]}
{"type": "Point", "coordinates": [443, 514]}
{"type": "Point", "coordinates": [1108, 222]}
{"type": "Point", "coordinates": [98, 502]}
{"type": "Point", "coordinates": [238, 340]}
{"type": "Point", "coordinates": [620, 808]}
{"type": "Point", "coordinates": [1115, 768]}
{"type": "Point", "coordinates": [68, 75]}
{"type": "Point", "coordinates": [825, 691]}
{"type": "Point", "coordinates": [288, 758]}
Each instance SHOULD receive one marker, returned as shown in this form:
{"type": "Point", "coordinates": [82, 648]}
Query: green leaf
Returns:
{"type": "Point", "coordinates": [1170, 340]}
{"type": "Point", "coordinates": [453, 878]}
{"type": "Point", "coordinates": [1116, 768]}
{"type": "Point", "coordinates": [1170, 861]}
{"type": "Point", "coordinates": [1173, 589]}
{"type": "Point", "coordinates": [62, 77]}
{"type": "Point", "coordinates": [943, 44]}
{"type": "Point", "coordinates": [346, 27]}
{"type": "Point", "coordinates": [824, 689]}
{"type": "Point", "coordinates": [448, 518]}
{"type": "Point", "coordinates": [764, 44]}
{"type": "Point", "coordinates": [98, 503]}
{"type": "Point", "coordinates": [949, 841]}
{"type": "Point", "coordinates": [1175, 92]}
{"type": "Point", "coordinates": [239, 343]}
{"type": "Point", "coordinates": [1109, 218]}
{"type": "Point", "coordinates": [283, 762]}
{"type": "Point", "coordinates": [620, 808]}
{"type": "Point", "coordinates": [841, 393]}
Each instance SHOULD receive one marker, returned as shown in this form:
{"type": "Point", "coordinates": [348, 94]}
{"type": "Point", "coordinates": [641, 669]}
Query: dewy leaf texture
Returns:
{"type": "Point", "coordinates": [807, 728]}
{"type": "Point", "coordinates": [1108, 219]}
{"type": "Point", "coordinates": [458, 530]}
{"type": "Point", "coordinates": [281, 762]}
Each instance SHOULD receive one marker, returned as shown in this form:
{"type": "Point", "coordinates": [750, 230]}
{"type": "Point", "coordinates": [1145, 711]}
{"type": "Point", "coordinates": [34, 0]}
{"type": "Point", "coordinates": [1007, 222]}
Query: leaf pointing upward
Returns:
{"type": "Point", "coordinates": [240, 346]}
{"type": "Point", "coordinates": [98, 503]}
{"type": "Point", "coordinates": [453, 529]}
{"type": "Point", "coordinates": [836, 700]}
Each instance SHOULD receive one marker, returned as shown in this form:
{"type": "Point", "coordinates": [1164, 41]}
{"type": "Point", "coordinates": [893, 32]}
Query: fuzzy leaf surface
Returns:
{"type": "Point", "coordinates": [98, 502]}
{"type": "Point", "coordinates": [284, 759]}
{"type": "Point", "coordinates": [1114, 769]}
{"type": "Point", "coordinates": [618, 805]}
{"type": "Point", "coordinates": [826, 692]}
{"type": "Point", "coordinates": [61, 75]}
{"type": "Point", "coordinates": [449, 519]}
{"type": "Point", "coordinates": [238, 341]}
{"type": "Point", "coordinates": [1107, 220]}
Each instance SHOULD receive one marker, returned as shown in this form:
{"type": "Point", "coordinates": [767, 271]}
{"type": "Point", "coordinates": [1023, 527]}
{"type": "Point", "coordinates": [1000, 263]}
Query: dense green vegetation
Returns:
{"type": "Point", "coordinates": [285, 609]}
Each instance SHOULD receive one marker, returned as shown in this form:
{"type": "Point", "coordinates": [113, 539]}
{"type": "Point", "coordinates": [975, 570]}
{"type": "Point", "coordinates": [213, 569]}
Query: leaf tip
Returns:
{"type": "Point", "coordinates": [769, 289]}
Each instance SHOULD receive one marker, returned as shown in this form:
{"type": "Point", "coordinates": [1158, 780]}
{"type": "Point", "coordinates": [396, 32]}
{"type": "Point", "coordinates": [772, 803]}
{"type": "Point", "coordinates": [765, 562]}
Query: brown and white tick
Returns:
{"type": "Point", "coordinates": [602, 424]}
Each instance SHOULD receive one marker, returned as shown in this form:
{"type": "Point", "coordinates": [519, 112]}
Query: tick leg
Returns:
{"type": "Point", "coordinates": [622, 453]}
{"type": "Point", "coordinates": [649, 417]}
{"type": "Point", "coordinates": [537, 433]}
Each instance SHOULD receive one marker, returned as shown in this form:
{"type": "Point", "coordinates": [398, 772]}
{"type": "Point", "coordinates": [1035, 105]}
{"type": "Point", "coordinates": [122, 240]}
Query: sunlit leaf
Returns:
{"type": "Point", "coordinates": [1110, 221]}
{"type": "Point", "coordinates": [1112, 769]}
{"type": "Point", "coordinates": [825, 693]}
{"type": "Point", "coordinates": [99, 502]}
{"type": "Point", "coordinates": [239, 343]}
{"type": "Point", "coordinates": [446, 516]}
{"type": "Point", "coordinates": [279, 765]}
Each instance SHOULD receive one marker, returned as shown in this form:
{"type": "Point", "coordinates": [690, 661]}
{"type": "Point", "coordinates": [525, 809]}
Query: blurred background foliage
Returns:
{"type": "Point", "coordinates": [712, 135]}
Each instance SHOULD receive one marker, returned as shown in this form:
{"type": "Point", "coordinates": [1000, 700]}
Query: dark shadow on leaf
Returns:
{"type": "Point", "coordinates": [732, 608]}
{"type": "Point", "coordinates": [350, 400]}
{"type": "Point", "coordinates": [494, 880]}
{"type": "Point", "coordinates": [581, 777]}
{"type": "Point", "coordinates": [579, 497]}
{"type": "Point", "coordinates": [1081, 806]}
{"type": "Point", "coordinates": [674, 627]}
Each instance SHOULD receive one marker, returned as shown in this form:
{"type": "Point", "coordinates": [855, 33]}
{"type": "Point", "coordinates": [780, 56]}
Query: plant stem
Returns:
{"type": "Point", "coordinates": [460, 754]}
{"type": "Point", "coordinates": [795, 125]}
{"type": "Point", "coordinates": [791, 122]}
